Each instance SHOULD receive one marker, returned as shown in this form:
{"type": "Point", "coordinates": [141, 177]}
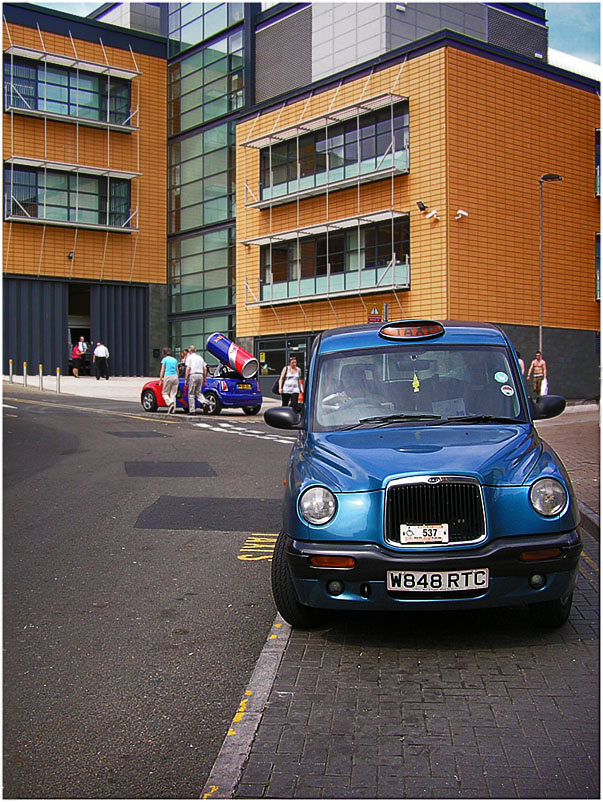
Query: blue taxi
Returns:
{"type": "Point", "coordinates": [418, 480]}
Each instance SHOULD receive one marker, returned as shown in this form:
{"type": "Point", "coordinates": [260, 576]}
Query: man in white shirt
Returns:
{"type": "Point", "coordinates": [196, 371]}
{"type": "Point", "coordinates": [100, 357]}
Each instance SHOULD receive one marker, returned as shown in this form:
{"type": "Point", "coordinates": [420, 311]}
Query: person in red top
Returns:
{"type": "Point", "coordinates": [76, 360]}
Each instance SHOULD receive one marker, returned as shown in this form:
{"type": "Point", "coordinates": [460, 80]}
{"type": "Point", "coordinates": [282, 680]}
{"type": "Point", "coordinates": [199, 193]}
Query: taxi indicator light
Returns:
{"type": "Point", "coordinates": [332, 561]}
{"type": "Point", "coordinates": [412, 330]}
{"type": "Point", "coordinates": [539, 554]}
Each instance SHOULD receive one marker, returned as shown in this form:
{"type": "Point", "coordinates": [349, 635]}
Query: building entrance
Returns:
{"type": "Point", "coordinates": [275, 352]}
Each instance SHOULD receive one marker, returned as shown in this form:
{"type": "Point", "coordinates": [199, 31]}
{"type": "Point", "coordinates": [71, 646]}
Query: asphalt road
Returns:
{"type": "Point", "coordinates": [136, 592]}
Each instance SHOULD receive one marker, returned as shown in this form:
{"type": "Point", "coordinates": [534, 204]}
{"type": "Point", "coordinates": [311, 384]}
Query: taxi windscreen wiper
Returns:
{"type": "Point", "coordinates": [480, 419]}
{"type": "Point", "coordinates": [384, 420]}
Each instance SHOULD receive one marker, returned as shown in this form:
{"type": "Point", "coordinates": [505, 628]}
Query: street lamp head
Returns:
{"type": "Point", "coordinates": [550, 177]}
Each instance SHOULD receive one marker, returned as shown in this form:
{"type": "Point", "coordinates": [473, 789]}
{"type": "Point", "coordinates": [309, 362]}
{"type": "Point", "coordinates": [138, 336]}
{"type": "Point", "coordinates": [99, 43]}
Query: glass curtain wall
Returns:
{"type": "Point", "coordinates": [202, 179]}
{"type": "Point", "coordinates": [205, 90]}
{"type": "Point", "coordinates": [202, 271]}
{"type": "Point", "coordinates": [207, 84]}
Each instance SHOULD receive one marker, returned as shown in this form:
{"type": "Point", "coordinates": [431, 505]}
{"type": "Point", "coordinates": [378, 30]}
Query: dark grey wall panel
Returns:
{"type": "Point", "coordinates": [283, 55]}
{"type": "Point", "coordinates": [522, 36]}
{"type": "Point", "coordinates": [420, 19]}
{"type": "Point", "coordinates": [119, 317]}
{"type": "Point", "coordinates": [35, 325]}
{"type": "Point", "coordinates": [572, 357]}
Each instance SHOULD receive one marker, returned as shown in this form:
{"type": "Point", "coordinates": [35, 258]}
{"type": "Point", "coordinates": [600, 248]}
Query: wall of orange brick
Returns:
{"type": "Point", "coordinates": [42, 250]}
{"type": "Point", "coordinates": [506, 128]}
{"type": "Point", "coordinates": [481, 134]}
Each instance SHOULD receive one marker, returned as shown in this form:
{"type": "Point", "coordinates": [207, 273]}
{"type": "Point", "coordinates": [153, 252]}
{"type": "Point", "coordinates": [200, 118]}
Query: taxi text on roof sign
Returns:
{"type": "Point", "coordinates": [412, 330]}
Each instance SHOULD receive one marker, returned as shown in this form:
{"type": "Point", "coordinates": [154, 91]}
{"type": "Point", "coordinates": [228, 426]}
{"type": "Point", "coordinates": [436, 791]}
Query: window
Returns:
{"type": "Point", "coordinates": [51, 195]}
{"type": "Point", "coordinates": [51, 89]}
{"type": "Point", "coordinates": [202, 271]}
{"type": "Point", "coordinates": [371, 142]}
{"type": "Point", "coordinates": [329, 263]}
{"type": "Point", "coordinates": [202, 179]}
{"type": "Point", "coordinates": [206, 85]}
{"type": "Point", "coordinates": [191, 23]}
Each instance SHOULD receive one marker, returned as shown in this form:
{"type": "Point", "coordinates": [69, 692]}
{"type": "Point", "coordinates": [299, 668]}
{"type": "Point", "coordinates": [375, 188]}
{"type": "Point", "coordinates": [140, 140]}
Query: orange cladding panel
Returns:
{"type": "Point", "coordinates": [506, 128]}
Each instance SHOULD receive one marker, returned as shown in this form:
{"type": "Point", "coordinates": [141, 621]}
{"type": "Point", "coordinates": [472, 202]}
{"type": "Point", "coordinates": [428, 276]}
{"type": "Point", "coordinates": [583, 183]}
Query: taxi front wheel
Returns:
{"type": "Point", "coordinates": [552, 613]}
{"type": "Point", "coordinates": [294, 613]}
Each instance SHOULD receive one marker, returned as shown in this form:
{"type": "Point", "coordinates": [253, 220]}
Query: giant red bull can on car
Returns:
{"type": "Point", "coordinates": [232, 354]}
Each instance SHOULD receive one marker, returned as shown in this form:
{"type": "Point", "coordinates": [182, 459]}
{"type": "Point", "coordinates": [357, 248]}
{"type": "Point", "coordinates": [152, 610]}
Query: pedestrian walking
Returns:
{"type": "Point", "coordinates": [538, 369]}
{"type": "Point", "coordinates": [169, 379]}
{"type": "Point", "coordinates": [100, 358]}
{"type": "Point", "coordinates": [196, 371]}
{"type": "Point", "coordinates": [76, 361]}
{"type": "Point", "coordinates": [290, 385]}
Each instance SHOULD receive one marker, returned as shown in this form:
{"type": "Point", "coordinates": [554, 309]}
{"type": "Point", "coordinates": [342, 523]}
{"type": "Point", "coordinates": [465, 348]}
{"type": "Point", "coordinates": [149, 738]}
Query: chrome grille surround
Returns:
{"type": "Point", "coordinates": [435, 499]}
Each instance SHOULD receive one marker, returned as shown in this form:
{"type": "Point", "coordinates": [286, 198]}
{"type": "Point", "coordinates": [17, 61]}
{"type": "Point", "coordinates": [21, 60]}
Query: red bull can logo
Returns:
{"type": "Point", "coordinates": [232, 354]}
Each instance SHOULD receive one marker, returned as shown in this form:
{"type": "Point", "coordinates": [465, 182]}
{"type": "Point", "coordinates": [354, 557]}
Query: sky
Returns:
{"type": "Point", "coordinates": [574, 28]}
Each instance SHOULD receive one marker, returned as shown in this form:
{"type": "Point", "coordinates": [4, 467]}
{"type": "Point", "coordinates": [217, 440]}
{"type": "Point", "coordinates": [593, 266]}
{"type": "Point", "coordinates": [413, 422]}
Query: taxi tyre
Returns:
{"type": "Point", "coordinates": [552, 613]}
{"type": "Point", "coordinates": [252, 410]}
{"type": "Point", "coordinates": [214, 405]}
{"type": "Point", "coordinates": [149, 401]}
{"type": "Point", "coordinates": [294, 613]}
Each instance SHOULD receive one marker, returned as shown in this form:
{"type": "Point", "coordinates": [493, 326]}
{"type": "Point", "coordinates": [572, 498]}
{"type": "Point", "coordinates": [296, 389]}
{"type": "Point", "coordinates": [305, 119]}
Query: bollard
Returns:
{"type": "Point", "coordinates": [41, 375]}
{"type": "Point", "coordinates": [58, 380]}
{"type": "Point", "coordinates": [25, 374]}
{"type": "Point", "coordinates": [10, 371]}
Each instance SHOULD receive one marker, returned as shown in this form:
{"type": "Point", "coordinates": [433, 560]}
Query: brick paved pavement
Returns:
{"type": "Point", "coordinates": [446, 705]}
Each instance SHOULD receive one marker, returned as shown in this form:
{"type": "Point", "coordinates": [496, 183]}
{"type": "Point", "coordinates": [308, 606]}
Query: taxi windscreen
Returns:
{"type": "Point", "coordinates": [410, 381]}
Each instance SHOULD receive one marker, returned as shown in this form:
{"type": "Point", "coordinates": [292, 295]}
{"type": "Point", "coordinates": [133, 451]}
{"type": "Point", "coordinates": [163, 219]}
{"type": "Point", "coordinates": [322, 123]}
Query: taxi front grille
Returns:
{"type": "Point", "coordinates": [456, 501]}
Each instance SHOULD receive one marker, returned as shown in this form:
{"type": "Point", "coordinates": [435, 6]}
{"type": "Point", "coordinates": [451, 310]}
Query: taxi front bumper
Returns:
{"type": "Point", "coordinates": [365, 586]}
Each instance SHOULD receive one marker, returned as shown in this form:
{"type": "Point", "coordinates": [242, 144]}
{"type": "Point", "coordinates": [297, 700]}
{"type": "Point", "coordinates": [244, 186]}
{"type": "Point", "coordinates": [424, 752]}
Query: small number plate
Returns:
{"type": "Point", "coordinates": [243, 387]}
{"type": "Point", "coordinates": [424, 533]}
{"type": "Point", "coordinates": [438, 581]}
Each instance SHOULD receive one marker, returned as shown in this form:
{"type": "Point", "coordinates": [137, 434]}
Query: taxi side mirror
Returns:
{"type": "Point", "coordinates": [283, 418]}
{"type": "Point", "coordinates": [548, 406]}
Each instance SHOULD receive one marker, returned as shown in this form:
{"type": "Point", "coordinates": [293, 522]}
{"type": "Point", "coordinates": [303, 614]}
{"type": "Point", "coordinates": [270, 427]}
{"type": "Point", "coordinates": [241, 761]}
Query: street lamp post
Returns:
{"type": "Point", "coordinates": [544, 179]}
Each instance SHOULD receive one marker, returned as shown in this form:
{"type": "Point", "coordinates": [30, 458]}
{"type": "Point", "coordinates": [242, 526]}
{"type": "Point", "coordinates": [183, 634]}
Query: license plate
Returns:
{"type": "Point", "coordinates": [424, 533]}
{"type": "Point", "coordinates": [438, 581]}
{"type": "Point", "coordinates": [243, 387]}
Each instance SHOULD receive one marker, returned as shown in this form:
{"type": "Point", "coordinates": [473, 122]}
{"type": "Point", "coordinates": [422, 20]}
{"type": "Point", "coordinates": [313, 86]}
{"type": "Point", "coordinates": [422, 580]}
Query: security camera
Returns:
{"type": "Point", "coordinates": [422, 206]}
{"type": "Point", "coordinates": [461, 213]}
{"type": "Point", "coordinates": [433, 214]}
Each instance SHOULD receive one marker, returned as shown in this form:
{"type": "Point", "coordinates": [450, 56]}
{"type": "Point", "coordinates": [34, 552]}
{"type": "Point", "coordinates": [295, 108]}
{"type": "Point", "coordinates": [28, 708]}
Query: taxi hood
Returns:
{"type": "Point", "coordinates": [367, 459]}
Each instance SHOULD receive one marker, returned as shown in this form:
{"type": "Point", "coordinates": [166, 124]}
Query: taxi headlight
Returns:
{"type": "Point", "coordinates": [317, 505]}
{"type": "Point", "coordinates": [548, 496]}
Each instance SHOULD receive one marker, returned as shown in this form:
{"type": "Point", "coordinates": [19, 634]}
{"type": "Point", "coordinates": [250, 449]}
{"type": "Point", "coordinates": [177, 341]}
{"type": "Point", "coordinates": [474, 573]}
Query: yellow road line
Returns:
{"type": "Point", "coordinates": [90, 409]}
{"type": "Point", "coordinates": [591, 562]}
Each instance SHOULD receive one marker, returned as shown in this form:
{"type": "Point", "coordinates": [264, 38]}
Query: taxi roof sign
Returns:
{"type": "Point", "coordinates": [412, 330]}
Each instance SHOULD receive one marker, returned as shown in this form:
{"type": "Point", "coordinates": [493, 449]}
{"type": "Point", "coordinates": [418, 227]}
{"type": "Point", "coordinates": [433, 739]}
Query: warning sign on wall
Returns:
{"type": "Point", "coordinates": [374, 316]}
